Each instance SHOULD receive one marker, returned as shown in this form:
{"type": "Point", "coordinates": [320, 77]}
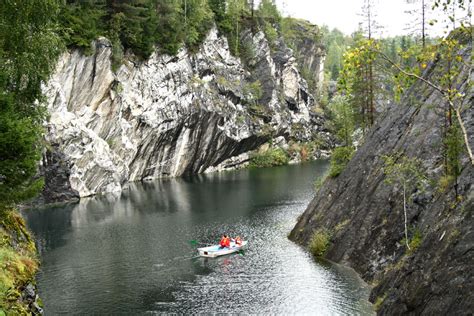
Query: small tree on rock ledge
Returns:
{"type": "Point", "coordinates": [407, 173]}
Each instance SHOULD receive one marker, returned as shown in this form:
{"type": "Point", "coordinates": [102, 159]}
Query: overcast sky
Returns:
{"type": "Point", "coordinates": [344, 14]}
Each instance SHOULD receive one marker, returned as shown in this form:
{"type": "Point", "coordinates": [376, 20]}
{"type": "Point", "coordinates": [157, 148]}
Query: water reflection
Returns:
{"type": "Point", "coordinates": [130, 253]}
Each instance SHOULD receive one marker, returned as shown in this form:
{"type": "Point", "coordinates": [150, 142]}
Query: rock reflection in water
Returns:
{"type": "Point", "coordinates": [130, 253]}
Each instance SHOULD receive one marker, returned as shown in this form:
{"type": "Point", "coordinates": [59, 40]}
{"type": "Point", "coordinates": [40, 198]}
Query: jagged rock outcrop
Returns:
{"type": "Point", "coordinates": [310, 54]}
{"type": "Point", "coordinates": [365, 215]}
{"type": "Point", "coordinates": [169, 115]}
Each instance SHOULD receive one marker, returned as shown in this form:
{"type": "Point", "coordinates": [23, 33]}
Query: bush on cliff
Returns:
{"type": "Point", "coordinates": [319, 243]}
{"type": "Point", "coordinates": [17, 261]}
{"type": "Point", "coordinates": [270, 158]}
{"type": "Point", "coordinates": [339, 159]}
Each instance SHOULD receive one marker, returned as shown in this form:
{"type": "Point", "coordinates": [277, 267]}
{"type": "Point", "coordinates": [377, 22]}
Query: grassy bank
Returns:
{"type": "Point", "coordinates": [19, 265]}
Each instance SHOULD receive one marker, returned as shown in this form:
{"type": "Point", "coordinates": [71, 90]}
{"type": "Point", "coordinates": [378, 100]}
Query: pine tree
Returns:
{"type": "Point", "coordinates": [421, 19]}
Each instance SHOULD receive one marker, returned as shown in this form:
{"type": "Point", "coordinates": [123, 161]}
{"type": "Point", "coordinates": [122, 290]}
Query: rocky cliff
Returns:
{"type": "Point", "coordinates": [169, 115]}
{"type": "Point", "coordinates": [306, 41]}
{"type": "Point", "coordinates": [364, 215]}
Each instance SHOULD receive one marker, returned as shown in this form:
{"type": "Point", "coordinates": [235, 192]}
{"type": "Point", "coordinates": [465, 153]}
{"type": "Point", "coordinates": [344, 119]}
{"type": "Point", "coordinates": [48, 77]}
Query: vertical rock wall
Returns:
{"type": "Point", "coordinates": [168, 115]}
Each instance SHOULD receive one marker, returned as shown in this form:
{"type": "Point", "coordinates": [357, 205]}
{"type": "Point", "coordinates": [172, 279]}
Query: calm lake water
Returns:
{"type": "Point", "coordinates": [131, 253]}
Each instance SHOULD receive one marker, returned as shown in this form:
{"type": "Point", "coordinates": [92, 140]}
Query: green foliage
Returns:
{"type": "Point", "coordinates": [359, 79]}
{"type": "Point", "coordinates": [408, 173]}
{"type": "Point", "coordinates": [339, 159]}
{"type": "Point", "coordinates": [17, 261]}
{"type": "Point", "coordinates": [336, 44]}
{"type": "Point", "coordinates": [20, 152]}
{"type": "Point", "coordinates": [341, 225]}
{"type": "Point", "coordinates": [253, 91]}
{"type": "Point", "coordinates": [444, 182]}
{"type": "Point", "coordinates": [132, 22]}
{"type": "Point", "coordinates": [379, 301]}
{"type": "Point", "coordinates": [343, 118]}
{"type": "Point", "coordinates": [138, 25]}
{"type": "Point", "coordinates": [28, 52]}
{"type": "Point", "coordinates": [169, 29]}
{"type": "Point", "coordinates": [454, 148]}
{"type": "Point", "coordinates": [319, 243]}
{"type": "Point", "coordinates": [318, 184]}
{"type": "Point", "coordinates": [270, 158]}
{"type": "Point", "coordinates": [81, 23]}
{"type": "Point", "coordinates": [270, 19]}
{"type": "Point", "coordinates": [414, 242]}
{"type": "Point", "coordinates": [199, 19]}
{"type": "Point", "coordinates": [404, 171]}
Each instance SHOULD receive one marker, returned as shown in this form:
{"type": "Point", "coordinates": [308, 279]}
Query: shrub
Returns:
{"type": "Point", "coordinates": [445, 182]}
{"type": "Point", "coordinates": [17, 261]}
{"type": "Point", "coordinates": [270, 158]}
{"type": "Point", "coordinates": [339, 159]}
{"type": "Point", "coordinates": [379, 301]}
{"type": "Point", "coordinates": [319, 243]}
{"type": "Point", "coordinates": [414, 242]}
{"type": "Point", "coordinates": [319, 182]}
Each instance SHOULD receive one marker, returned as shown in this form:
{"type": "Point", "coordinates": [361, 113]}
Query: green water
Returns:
{"type": "Point", "coordinates": [130, 253]}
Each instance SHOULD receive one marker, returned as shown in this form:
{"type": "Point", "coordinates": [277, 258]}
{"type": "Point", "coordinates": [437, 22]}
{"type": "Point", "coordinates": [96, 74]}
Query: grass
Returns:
{"type": "Point", "coordinates": [414, 242]}
{"type": "Point", "coordinates": [379, 301]}
{"type": "Point", "coordinates": [319, 243]}
{"type": "Point", "coordinates": [444, 183]}
{"type": "Point", "coordinates": [18, 262]}
{"type": "Point", "coordinates": [341, 225]}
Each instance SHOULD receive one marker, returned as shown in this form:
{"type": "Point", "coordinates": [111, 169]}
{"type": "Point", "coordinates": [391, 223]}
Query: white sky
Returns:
{"type": "Point", "coordinates": [344, 14]}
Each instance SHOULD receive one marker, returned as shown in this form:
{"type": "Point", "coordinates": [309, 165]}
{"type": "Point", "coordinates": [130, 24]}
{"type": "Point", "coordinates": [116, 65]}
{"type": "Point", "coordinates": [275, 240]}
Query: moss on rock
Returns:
{"type": "Point", "coordinates": [19, 264]}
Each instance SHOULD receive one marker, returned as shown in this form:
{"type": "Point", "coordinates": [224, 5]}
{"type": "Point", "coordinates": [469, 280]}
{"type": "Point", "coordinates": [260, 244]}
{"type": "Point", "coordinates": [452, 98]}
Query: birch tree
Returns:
{"type": "Point", "coordinates": [406, 173]}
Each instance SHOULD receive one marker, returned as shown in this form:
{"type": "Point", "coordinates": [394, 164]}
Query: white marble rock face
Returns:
{"type": "Point", "coordinates": [165, 116]}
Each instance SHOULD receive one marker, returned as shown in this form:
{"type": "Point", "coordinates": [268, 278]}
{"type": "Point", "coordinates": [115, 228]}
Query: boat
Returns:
{"type": "Point", "coordinates": [216, 250]}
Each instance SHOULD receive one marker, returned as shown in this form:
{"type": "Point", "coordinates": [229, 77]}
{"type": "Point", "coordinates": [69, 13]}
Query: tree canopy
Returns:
{"type": "Point", "coordinates": [28, 51]}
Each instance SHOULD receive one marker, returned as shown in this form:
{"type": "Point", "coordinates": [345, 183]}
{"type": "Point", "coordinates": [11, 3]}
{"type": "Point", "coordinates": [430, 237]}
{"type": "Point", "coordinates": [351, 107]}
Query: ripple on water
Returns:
{"type": "Point", "coordinates": [131, 254]}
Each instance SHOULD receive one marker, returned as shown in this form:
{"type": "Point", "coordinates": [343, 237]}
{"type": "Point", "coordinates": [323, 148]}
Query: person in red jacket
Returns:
{"type": "Point", "coordinates": [225, 242]}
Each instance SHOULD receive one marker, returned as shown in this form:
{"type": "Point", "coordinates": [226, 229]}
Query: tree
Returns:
{"type": "Point", "coordinates": [336, 44]}
{"type": "Point", "coordinates": [270, 19]}
{"type": "Point", "coordinates": [358, 79]}
{"type": "Point", "coordinates": [421, 18]}
{"type": "Point", "coordinates": [369, 15]}
{"type": "Point", "coordinates": [449, 52]}
{"type": "Point", "coordinates": [169, 29]}
{"type": "Point", "coordinates": [407, 173]}
{"type": "Point", "coordinates": [342, 114]}
{"type": "Point", "coordinates": [81, 22]}
{"type": "Point", "coordinates": [198, 23]}
{"type": "Point", "coordinates": [28, 51]}
{"type": "Point", "coordinates": [236, 10]}
{"type": "Point", "coordinates": [135, 30]}
{"type": "Point", "coordinates": [218, 7]}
